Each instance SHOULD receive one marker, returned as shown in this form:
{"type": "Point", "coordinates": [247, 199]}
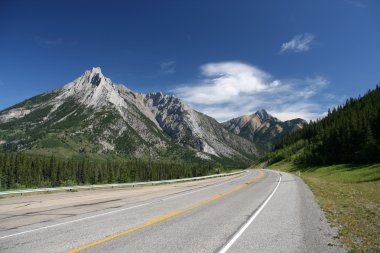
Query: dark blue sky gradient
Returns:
{"type": "Point", "coordinates": [46, 44]}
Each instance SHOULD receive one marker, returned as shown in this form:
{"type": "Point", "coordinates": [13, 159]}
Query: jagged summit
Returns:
{"type": "Point", "coordinates": [93, 71]}
{"type": "Point", "coordinates": [96, 76]}
{"type": "Point", "coordinates": [263, 114]}
{"type": "Point", "coordinates": [156, 96]}
{"type": "Point", "coordinates": [93, 76]}
{"type": "Point", "coordinates": [96, 70]}
{"type": "Point", "coordinates": [94, 89]}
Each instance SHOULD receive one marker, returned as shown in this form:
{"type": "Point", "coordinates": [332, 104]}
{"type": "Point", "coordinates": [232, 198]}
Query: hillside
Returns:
{"type": "Point", "coordinates": [348, 134]}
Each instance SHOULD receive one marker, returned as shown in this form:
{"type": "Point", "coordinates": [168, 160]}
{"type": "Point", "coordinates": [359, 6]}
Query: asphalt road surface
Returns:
{"type": "Point", "coordinates": [257, 211]}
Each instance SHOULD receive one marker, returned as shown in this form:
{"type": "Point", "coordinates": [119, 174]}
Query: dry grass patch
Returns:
{"type": "Point", "coordinates": [354, 207]}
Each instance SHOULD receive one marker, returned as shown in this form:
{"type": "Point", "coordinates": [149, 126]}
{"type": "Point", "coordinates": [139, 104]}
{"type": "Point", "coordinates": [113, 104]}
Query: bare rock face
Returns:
{"type": "Point", "coordinates": [262, 128]}
{"type": "Point", "coordinates": [94, 115]}
{"type": "Point", "coordinates": [194, 129]}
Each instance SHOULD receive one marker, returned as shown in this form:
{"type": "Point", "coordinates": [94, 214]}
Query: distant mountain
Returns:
{"type": "Point", "coordinates": [93, 115]}
{"type": "Point", "coordinates": [262, 128]}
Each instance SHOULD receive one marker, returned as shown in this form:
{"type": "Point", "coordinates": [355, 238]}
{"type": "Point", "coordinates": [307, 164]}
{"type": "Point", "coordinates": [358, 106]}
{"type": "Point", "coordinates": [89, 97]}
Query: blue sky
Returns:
{"type": "Point", "coordinates": [225, 58]}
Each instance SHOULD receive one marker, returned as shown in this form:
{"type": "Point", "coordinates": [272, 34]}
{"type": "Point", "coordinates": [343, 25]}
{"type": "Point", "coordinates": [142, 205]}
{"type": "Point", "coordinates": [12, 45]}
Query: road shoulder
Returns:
{"type": "Point", "coordinates": [291, 222]}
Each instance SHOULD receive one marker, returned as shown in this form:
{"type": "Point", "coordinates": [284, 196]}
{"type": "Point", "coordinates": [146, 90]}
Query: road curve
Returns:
{"type": "Point", "coordinates": [258, 211]}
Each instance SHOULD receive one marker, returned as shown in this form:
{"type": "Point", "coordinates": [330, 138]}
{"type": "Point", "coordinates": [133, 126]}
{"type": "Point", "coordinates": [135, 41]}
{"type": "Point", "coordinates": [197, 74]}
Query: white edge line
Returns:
{"type": "Point", "coordinates": [246, 225]}
{"type": "Point", "coordinates": [111, 212]}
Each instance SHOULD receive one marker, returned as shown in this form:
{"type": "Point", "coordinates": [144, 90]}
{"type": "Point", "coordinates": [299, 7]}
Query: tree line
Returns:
{"type": "Point", "coordinates": [349, 133]}
{"type": "Point", "coordinates": [18, 170]}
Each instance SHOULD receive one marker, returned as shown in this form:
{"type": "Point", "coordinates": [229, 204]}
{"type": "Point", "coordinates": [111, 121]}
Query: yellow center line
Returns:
{"type": "Point", "coordinates": [167, 216]}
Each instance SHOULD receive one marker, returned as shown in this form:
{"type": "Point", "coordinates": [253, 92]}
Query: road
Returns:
{"type": "Point", "coordinates": [257, 211]}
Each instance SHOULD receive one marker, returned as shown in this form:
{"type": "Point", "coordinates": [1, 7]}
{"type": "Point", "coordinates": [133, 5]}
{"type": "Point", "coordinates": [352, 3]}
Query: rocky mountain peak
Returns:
{"type": "Point", "coordinates": [263, 114]}
{"type": "Point", "coordinates": [92, 89]}
{"type": "Point", "coordinates": [94, 77]}
{"type": "Point", "coordinates": [94, 71]}
{"type": "Point", "coordinates": [155, 96]}
{"type": "Point", "coordinates": [262, 128]}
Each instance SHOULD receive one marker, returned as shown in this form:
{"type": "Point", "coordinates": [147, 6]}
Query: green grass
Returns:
{"type": "Point", "coordinates": [342, 173]}
{"type": "Point", "coordinates": [350, 197]}
{"type": "Point", "coordinates": [52, 143]}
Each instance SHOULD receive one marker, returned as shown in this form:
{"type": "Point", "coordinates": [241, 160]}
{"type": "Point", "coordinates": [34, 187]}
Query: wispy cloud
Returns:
{"type": "Point", "coordinates": [47, 42]}
{"type": "Point", "coordinates": [232, 89]}
{"type": "Point", "coordinates": [299, 43]}
{"type": "Point", "coordinates": [167, 67]}
{"type": "Point", "coordinates": [356, 3]}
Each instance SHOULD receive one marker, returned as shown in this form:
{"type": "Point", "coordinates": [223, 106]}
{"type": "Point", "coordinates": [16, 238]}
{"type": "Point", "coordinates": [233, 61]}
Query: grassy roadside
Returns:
{"type": "Point", "coordinates": [350, 197]}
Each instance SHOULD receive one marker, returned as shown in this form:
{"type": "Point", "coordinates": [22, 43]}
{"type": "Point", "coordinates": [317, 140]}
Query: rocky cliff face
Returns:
{"type": "Point", "coordinates": [194, 129]}
{"type": "Point", "coordinates": [94, 115]}
{"type": "Point", "coordinates": [262, 128]}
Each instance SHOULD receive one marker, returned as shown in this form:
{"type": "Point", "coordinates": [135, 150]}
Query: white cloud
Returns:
{"type": "Point", "coordinates": [46, 42]}
{"type": "Point", "coordinates": [167, 67]}
{"type": "Point", "coordinates": [224, 81]}
{"type": "Point", "coordinates": [298, 43]}
{"type": "Point", "coordinates": [357, 4]}
{"type": "Point", "coordinates": [314, 85]}
{"type": "Point", "coordinates": [232, 89]}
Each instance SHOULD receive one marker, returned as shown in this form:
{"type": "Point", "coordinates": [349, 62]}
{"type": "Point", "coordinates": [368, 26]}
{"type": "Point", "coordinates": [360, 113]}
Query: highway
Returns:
{"type": "Point", "coordinates": [257, 211]}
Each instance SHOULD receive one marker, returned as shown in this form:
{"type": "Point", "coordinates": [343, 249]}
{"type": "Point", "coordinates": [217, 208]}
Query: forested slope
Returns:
{"type": "Point", "coordinates": [349, 133]}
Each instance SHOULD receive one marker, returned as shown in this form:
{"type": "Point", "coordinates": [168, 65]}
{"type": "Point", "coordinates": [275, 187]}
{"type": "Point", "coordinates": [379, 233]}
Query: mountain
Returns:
{"type": "Point", "coordinates": [262, 128]}
{"type": "Point", "coordinates": [93, 115]}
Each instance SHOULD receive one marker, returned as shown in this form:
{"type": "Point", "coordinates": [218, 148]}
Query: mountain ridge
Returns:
{"type": "Point", "coordinates": [94, 115]}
